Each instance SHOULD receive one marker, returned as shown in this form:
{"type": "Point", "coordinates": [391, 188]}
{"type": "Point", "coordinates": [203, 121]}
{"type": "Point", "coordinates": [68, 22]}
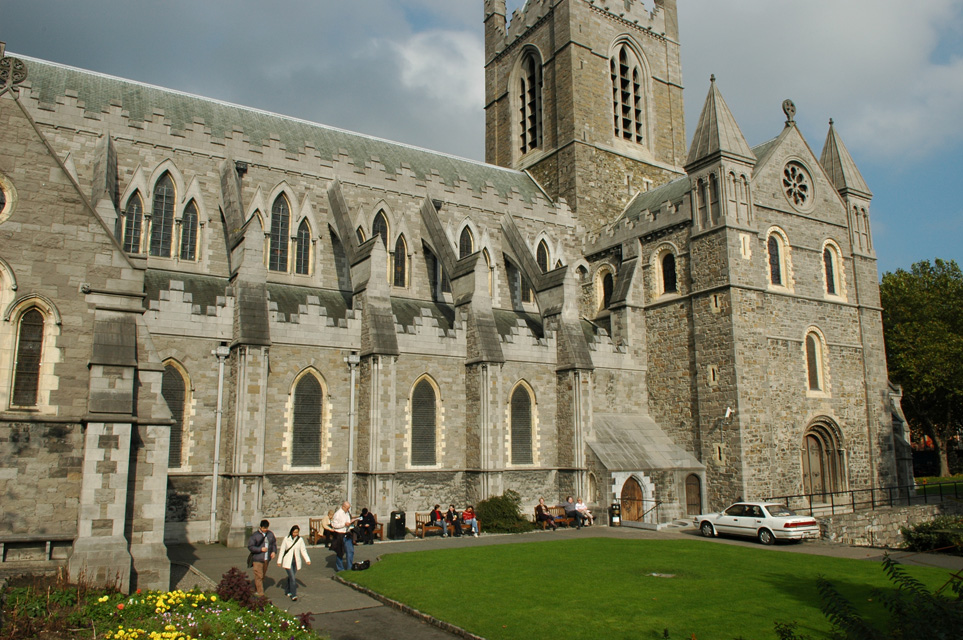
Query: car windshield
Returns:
{"type": "Point", "coordinates": [778, 510]}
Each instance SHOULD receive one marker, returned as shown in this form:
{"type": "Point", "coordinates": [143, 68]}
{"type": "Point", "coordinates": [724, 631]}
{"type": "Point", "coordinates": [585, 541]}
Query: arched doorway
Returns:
{"type": "Point", "coordinates": [632, 501]}
{"type": "Point", "coordinates": [822, 460]}
{"type": "Point", "coordinates": [693, 495]}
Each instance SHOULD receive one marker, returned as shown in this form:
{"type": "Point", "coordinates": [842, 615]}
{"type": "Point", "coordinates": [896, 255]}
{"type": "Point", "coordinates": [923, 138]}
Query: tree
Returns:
{"type": "Point", "coordinates": [923, 327]}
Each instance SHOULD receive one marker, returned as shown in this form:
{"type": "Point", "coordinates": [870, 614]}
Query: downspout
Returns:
{"type": "Point", "coordinates": [222, 352]}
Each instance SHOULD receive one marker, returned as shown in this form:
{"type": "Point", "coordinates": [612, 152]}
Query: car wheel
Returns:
{"type": "Point", "coordinates": [707, 530]}
{"type": "Point", "coordinates": [766, 537]}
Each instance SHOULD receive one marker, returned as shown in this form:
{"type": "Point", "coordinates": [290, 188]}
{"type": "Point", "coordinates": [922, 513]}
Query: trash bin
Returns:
{"type": "Point", "coordinates": [615, 515]}
{"type": "Point", "coordinates": [396, 527]}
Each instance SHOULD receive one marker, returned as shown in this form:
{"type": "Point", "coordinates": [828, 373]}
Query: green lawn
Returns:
{"type": "Point", "coordinates": [604, 588]}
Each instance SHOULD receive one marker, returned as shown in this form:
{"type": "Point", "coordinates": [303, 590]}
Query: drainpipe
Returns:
{"type": "Point", "coordinates": [222, 352]}
{"type": "Point", "coordinates": [352, 359]}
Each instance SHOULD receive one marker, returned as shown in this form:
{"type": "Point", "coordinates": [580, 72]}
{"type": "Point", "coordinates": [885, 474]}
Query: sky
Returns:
{"type": "Point", "coordinates": [889, 72]}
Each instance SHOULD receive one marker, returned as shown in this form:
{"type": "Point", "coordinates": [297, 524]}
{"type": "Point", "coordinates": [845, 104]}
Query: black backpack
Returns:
{"type": "Point", "coordinates": [361, 566]}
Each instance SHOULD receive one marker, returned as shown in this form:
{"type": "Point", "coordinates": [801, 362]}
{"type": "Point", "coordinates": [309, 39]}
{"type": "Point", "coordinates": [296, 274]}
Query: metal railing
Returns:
{"type": "Point", "coordinates": [873, 498]}
{"type": "Point", "coordinates": [645, 506]}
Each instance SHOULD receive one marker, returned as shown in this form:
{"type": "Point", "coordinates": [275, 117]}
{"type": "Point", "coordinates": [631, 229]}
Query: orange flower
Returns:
{"type": "Point", "coordinates": [120, 606]}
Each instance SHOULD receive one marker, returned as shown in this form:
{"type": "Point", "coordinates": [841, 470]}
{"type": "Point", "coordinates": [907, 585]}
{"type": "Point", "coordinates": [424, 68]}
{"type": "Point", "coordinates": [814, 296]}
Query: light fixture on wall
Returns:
{"type": "Point", "coordinates": [729, 412]}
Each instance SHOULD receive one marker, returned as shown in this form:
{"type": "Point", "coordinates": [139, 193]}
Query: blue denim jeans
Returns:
{"type": "Point", "coordinates": [292, 580]}
{"type": "Point", "coordinates": [348, 555]}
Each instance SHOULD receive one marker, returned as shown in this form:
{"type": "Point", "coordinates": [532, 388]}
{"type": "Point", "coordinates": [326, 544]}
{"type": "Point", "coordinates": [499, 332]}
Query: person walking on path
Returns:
{"type": "Point", "coordinates": [343, 544]}
{"type": "Point", "coordinates": [291, 552]}
{"type": "Point", "coordinates": [264, 546]}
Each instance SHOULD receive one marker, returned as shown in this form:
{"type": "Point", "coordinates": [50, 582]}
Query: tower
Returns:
{"type": "Point", "coordinates": [586, 95]}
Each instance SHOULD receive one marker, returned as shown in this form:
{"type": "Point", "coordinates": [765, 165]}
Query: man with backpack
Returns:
{"type": "Point", "coordinates": [263, 547]}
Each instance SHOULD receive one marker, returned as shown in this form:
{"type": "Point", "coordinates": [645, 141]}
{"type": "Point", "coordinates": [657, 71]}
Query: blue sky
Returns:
{"type": "Point", "coordinates": [889, 72]}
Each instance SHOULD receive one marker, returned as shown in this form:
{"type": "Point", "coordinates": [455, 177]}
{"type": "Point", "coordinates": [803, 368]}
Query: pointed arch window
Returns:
{"type": "Point", "coordinates": [174, 391]}
{"type": "Point", "coordinates": [302, 249]}
{"type": "Point", "coordinates": [466, 243]}
{"type": "Point", "coordinates": [530, 102]}
{"type": "Point", "coordinates": [26, 375]}
{"type": "Point", "coordinates": [541, 256]}
{"type": "Point", "coordinates": [521, 426]}
{"type": "Point", "coordinates": [702, 197]}
{"type": "Point", "coordinates": [778, 254]}
{"type": "Point", "coordinates": [814, 361]}
{"type": "Point", "coordinates": [189, 232]}
{"type": "Point", "coordinates": [133, 220]}
{"type": "Point", "coordinates": [401, 262]}
{"type": "Point", "coordinates": [491, 271]}
{"type": "Point", "coordinates": [280, 235]}
{"type": "Point", "coordinates": [380, 228]}
{"type": "Point", "coordinates": [423, 424]}
{"type": "Point", "coordinates": [830, 271]}
{"type": "Point", "coordinates": [607, 283]}
{"type": "Point", "coordinates": [306, 426]}
{"type": "Point", "coordinates": [162, 217]}
{"type": "Point", "coordinates": [360, 233]}
{"type": "Point", "coordinates": [628, 99]}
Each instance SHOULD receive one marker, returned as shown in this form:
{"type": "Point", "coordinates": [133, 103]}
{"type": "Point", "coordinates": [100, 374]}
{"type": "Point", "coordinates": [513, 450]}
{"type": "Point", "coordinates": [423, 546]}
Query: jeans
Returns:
{"type": "Point", "coordinates": [474, 525]}
{"type": "Point", "coordinates": [443, 525]}
{"type": "Point", "coordinates": [292, 580]}
{"type": "Point", "coordinates": [348, 555]}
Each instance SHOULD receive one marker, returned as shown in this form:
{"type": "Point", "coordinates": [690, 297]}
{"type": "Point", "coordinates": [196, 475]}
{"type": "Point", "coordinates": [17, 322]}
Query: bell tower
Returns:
{"type": "Point", "coordinates": [586, 95]}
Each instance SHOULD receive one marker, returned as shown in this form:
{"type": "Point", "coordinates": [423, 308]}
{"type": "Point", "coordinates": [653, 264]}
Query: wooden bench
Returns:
{"type": "Point", "coordinates": [316, 534]}
{"type": "Point", "coordinates": [378, 531]}
{"type": "Point", "coordinates": [423, 525]}
{"type": "Point", "coordinates": [560, 518]}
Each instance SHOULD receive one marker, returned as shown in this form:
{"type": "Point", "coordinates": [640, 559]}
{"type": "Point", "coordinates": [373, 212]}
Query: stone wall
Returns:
{"type": "Point", "coordinates": [880, 528]}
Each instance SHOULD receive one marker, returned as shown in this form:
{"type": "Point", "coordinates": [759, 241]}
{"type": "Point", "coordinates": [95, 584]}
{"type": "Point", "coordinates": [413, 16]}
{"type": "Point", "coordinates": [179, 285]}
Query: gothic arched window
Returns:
{"type": "Point", "coordinates": [530, 102]}
{"type": "Point", "coordinates": [280, 235]}
{"type": "Point", "coordinates": [423, 424]}
{"type": "Point", "coordinates": [628, 95]}
{"type": "Point", "coordinates": [814, 361]}
{"type": "Point", "coordinates": [306, 426]}
{"type": "Point", "coordinates": [380, 228]}
{"type": "Point", "coordinates": [162, 217]}
{"type": "Point", "coordinates": [401, 262]}
{"type": "Point", "coordinates": [26, 373]}
{"type": "Point", "coordinates": [466, 243]}
{"type": "Point", "coordinates": [174, 391]}
{"type": "Point", "coordinates": [302, 249]}
{"type": "Point", "coordinates": [608, 285]}
{"type": "Point", "coordinates": [189, 232]}
{"type": "Point", "coordinates": [521, 426]}
{"type": "Point", "coordinates": [541, 256]}
{"type": "Point", "coordinates": [669, 279]}
{"type": "Point", "coordinates": [133, 219]}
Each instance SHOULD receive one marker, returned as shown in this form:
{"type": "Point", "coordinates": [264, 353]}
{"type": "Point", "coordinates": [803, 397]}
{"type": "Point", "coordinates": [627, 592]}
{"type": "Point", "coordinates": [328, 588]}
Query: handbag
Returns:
{"type": "Point", "coordinates": [361, 566]}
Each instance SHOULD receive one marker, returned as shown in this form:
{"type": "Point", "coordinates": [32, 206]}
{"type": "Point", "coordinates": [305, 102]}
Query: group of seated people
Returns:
{"type": "Point", "coordinates": [452, 519]}
{"type": "Point", "coordinates": [577, 510]}
{"type": "Point", "coordinates": [362, 531]}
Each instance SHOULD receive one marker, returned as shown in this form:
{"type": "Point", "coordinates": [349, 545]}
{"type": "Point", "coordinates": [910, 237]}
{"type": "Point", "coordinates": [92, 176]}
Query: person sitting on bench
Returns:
{"type": "Point", "coordinates": [366, 526]}
{"type": "Point", "coordinates": [542, 514]}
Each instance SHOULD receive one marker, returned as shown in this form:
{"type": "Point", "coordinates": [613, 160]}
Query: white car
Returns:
{"type": "Point", "coordinates": [765, 521]}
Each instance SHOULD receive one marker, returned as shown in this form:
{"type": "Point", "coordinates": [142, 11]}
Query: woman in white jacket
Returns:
{"type": "Point", "coordinates": [288, 558]}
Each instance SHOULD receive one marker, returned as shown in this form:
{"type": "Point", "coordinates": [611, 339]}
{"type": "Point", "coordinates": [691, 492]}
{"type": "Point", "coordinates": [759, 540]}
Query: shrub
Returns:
{"type": "Point", "coordinates": [502, 514]}
{"type": "Point", "coordinates": [943, 534]}
{"type": "Point", "coordinates": [236, 586]}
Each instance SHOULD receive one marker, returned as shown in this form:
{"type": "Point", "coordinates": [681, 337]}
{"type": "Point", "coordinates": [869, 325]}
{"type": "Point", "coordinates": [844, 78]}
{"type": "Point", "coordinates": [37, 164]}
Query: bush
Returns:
{"type": "Point", "coordinates": [943, 534]}
{"type": "Point", "coordinates": [502, 514]}
{"type": "Point", "coordinates": [236, 586]}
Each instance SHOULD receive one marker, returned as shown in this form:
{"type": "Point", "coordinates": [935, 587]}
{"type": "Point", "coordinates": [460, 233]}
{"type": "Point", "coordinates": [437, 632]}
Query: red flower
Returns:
{"type": "Point", "coordinates": [138, 591]}
{"type": "Point", "coordinates": [120, 606]}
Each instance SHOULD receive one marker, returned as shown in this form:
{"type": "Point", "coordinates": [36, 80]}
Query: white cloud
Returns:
{"type": "Point", "coordinates": [867, 63]}
{"type": "Point", "coordinates": [447, 65]}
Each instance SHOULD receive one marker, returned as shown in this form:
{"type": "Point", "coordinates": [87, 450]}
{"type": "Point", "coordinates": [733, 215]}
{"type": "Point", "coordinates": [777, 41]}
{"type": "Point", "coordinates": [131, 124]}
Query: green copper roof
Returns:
{"type": "Point", "coordinates": [98, 92]}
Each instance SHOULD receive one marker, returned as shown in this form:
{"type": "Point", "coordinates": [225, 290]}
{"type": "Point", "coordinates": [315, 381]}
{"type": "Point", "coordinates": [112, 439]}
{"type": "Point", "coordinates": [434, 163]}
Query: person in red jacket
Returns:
{"type": "Point", "coordinates": [438, 520]}
{"type": "Point", "coordinates": [468, 517]}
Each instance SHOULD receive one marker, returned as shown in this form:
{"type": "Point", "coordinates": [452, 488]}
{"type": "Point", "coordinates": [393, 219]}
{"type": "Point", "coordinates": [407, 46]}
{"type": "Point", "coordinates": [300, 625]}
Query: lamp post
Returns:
{"type": "Point", "coordinates": [352, 359]}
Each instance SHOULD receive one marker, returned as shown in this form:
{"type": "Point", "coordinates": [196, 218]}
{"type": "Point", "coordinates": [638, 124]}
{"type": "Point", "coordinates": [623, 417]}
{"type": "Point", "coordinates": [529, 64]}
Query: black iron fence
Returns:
{"type": "Point", "coordinates": [643, 510]}
{"type": "Point", "coordinates": [873, 498]}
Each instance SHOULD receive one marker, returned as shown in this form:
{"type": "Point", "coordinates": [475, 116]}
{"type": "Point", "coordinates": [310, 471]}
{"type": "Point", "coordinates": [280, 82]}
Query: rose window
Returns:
{"type": "Point", "coordinates": [796, 184]}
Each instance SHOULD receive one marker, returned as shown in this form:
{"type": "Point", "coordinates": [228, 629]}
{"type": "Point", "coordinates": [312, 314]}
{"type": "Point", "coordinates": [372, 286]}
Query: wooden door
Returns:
{"type": "Point", "coordinates": [814, 477]}
{"type": "Point", "coordinates": [693, 495]}
{"type": "Point", "coordinates": [632, 505]}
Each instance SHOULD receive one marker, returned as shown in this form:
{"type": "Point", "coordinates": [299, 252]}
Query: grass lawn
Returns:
{"type": "Point", "coordinates": [604, 588]}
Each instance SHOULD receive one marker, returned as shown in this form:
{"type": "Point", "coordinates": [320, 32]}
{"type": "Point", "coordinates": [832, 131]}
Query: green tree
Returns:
{"type": "Point", "coordinates": [923, 327]}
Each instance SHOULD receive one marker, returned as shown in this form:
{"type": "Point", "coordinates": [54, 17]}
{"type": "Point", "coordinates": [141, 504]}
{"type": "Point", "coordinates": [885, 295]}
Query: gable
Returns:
{"type": "Point", "coordinates": [809, 193]}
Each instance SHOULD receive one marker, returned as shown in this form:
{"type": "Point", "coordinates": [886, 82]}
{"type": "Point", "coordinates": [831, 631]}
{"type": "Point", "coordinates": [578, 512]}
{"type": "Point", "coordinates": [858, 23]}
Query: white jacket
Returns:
{"type": "Point", "coordinates": [289, 549]}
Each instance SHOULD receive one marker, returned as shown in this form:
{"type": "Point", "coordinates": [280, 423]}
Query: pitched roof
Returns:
{"type": "Point", "coordinates": [839, 165]}
{"type": "Point", "coordinates": [98, 92]}
{"type": "Point", "coordinates": [717, 131]}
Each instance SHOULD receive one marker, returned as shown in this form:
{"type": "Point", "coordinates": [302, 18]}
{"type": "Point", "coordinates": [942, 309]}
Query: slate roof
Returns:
{"type": "Point", "coordinates": [98, 92]}
{"type": "Point", "coordinates": [406, 310]}
{"type": "Point", "coordinates": [204, 290]}
{"type": "Point", "coordinates": [507, 320]}
{"type": "Point", "coordinates": [652, 200]}
{"type": "Point", "coordinates": [636, 443]}
{"type": "Point", "coordinates": [292, 299]}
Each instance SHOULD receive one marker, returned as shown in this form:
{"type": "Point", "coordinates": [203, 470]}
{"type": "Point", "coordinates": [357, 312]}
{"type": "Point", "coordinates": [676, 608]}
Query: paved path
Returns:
{"type": "Point", "coordinates": [346, 614]}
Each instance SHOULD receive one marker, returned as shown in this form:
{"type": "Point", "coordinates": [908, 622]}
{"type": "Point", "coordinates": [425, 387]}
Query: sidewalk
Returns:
{"type": "Point", "coordinates": [346, 614]}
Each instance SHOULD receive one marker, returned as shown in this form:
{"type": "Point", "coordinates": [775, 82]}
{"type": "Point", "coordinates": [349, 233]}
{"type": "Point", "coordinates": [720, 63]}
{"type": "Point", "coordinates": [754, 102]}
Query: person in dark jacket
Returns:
{"type": "Point", "coordinates": [264, 546]}
{"type": "Point", "coordinates": [367, 525]}
{"type": "Point", "coordinates": [438, 520]}
{"type": "Point", "coordinates": [451, 517]}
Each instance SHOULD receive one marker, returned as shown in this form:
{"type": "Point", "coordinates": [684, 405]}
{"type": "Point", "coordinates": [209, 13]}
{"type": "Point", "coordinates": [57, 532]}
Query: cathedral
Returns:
{"type": "Point", "coordinates": [212, 314]}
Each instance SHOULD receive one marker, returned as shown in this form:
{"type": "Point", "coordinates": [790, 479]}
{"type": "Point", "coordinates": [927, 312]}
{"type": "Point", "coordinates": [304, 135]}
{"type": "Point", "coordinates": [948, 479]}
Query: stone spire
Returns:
{"type": "Point", "coordinates": [840, 167]}
{"type": "Point", "coordinates": [717, 132]}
